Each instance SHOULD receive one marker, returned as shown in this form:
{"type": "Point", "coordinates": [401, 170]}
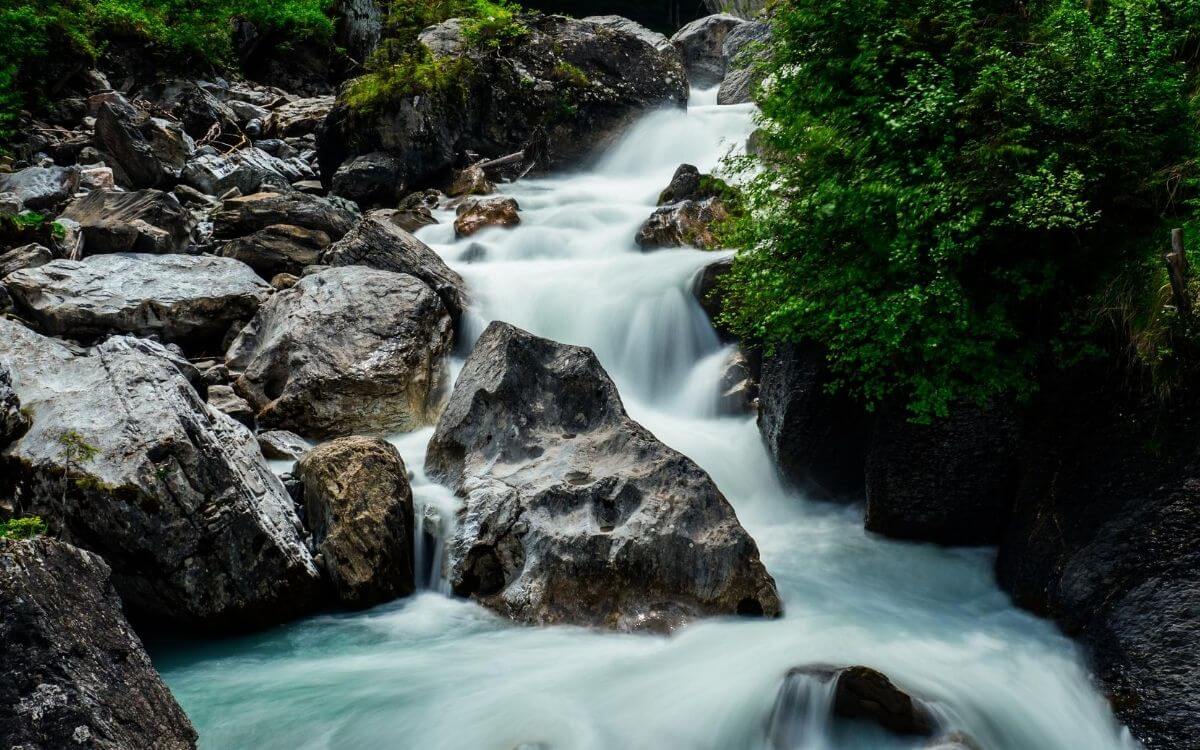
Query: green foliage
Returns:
{"type": "Point", "coordinates": [76, 448]}
{"type": "Point", "coordinates": [565, 72]}
{"type": "Point", "coordinates": [22, 528]}
{"type": "Point", "coordinates": [952, 184]}
{"type": "Point", "coordinates": [402, 67]}
{"type": "Point", "coordinates": [41, 39]}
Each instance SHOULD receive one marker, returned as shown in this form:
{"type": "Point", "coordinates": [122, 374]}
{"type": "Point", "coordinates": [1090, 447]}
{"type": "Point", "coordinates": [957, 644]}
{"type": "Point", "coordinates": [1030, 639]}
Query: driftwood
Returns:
{"type": "Point", "coordinates": [1177, 272]}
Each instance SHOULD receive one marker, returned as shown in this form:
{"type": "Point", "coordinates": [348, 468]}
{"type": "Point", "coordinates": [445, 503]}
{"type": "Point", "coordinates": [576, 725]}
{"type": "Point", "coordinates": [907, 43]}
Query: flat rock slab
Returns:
{"type": "Point", "coordinates": [185, 299]}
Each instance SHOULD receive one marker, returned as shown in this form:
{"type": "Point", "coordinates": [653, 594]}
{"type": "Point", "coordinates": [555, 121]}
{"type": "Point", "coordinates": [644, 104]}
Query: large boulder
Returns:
{"type": "Point", "coordinates": [1104, 540]}
{"type": "Point", "coordinates": [561, 91]}
{"type": "Point", "coordinates": [949, 482]}
{"type": "Point", "coordinates": [143, 221]}
{"type": "Point", "coordinates": [299, 117]}
{"type": "Point", "coordinates": [359, 507]}
{"type": "Point", "coordinates": [150, 151]}
{"type": "Point", "coordinates": [41, 188]}
{"type": "Point", "coordinates": [72, 671]}
{"type": "Point", "coordinates": [249, 170]}
{"type": "Point", "coordinates": [247, 214]}
{"type": "Point", "coordinates": [13, 421]}
{"type": "Point", "coordinates": [818, 439]}
{"type": "Point", "coordinates": [278, 248]}
{"type": "Point", "coordinates": [688, 223]}
{"type": "Point", "coordinates": [475, 215]}
{"type": "Point", "coordinates": [575, 513]}
{"type": "Point", "coordinates": [701, 43]}
{"type": "Point", "coordinates": [124, 458]}
{"type": "Point", "coordinates": [345, 351]}
{"type": "Point", "coordinates": [198, 109]}
{"type": "Point", "coordinates": [191, 300]}
{"type": "Point", "coordinates": [370, 179]}
{"type": "Point", "coordinates": [378, 241]}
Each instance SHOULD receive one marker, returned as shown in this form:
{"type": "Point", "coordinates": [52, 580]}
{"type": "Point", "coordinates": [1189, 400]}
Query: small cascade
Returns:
{"type": "Point", "coordinates": [433, 525]}
{"type": "Point", "coordinates": [802, 718]}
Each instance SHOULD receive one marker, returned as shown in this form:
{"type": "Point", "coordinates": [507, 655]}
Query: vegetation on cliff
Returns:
{"type": "Point", "coordinates": [962, 192]}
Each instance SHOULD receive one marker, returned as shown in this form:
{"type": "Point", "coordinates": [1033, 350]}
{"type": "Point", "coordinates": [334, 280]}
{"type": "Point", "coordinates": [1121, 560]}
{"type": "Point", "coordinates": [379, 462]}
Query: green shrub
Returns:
{"type": "Point", "coordinates": [22, 528]}
{"type": "Point", "coordinates": [954, 183]}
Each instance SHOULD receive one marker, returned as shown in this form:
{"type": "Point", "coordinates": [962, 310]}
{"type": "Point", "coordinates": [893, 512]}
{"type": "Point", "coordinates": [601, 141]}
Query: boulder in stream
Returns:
{"type": "Point", "coordinates": [125, 459]}
{"type": "Point", "coordinates": [346, 351]}
{"type": "Point", "coordinates": [72, 671]}
{"type": "Point", "coordinates": [475, 215]}
{"type": "Point", "coordinates": [702, 45]}
{"type": "Point", "coordinates": [359, 508]}
{"type": "Point", "coordinates": [574, 512]}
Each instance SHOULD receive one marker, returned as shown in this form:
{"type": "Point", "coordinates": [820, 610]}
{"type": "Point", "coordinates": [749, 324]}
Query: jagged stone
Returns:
{"type": "Point", "coordinates": [247, 214]}
{"type": "Point", "coordinates": [144, 221]}
{"type": "Point", "coordinates": [26, 256]}
{"type": "Point", "coordinates": [41, 188]}
{"type": "Point", "coordinates": [151, 151]}
{"type": "Point", "coordinates": [277, 249]}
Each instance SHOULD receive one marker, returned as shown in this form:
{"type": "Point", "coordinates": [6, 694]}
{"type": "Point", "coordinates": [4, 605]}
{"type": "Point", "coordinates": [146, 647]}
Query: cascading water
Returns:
{"type": "Point", "coordinates": [436, 672]}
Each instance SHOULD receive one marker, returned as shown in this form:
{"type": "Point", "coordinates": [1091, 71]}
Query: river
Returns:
{"type": "Point", "coordinates": [436, 673]}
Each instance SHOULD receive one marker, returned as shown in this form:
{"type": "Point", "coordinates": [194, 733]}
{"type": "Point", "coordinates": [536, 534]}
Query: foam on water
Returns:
{"type": "Point", "coordinates": [433, 672]}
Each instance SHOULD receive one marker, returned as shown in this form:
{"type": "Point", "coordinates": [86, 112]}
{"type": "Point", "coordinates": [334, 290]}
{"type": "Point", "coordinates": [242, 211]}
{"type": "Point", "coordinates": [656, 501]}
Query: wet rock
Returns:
{"type": "Point", "coordinates": [574, 512]}
{"type": "Point", "coordinates": [949, 482]}
{"type": "Point", "coordinates": [187, 299]}
{"type": "Point", "coordinates": [299, 117]}
{"type": "Point", "coordinates": [151, 151]}
{"type": "Point", "coordinates": [416, 210]}
{"type": "Point", "coordinates": [705, 288]}
{"type": "Point", "coordinates": [74, 674]}
{"type": "Point", "coordinates": [125, 459]}
{"type": "Point", "coordinates": [953, 741]}
{"type": "Point", "coordinates": [225, 400]}
{"type": "Point", "coordinates": [561, 92]}
{"type": "Point", "coordinates": [26, 256]}
{"type": "Point", "coordinates": [281, 445]}
{"type": "Point", "coordinates": [739, 385]}
{"type": "Point", "coordinates": [737, 88]}
{"type": "Point", "coordinates": [13, 421]}
{"type": "Point", "coordinates": [688, 223]}
{"type": "Point", "coordinates": [701, 43]}
{"type": "Point", "coordinates": [370, 180]}
{"type": "Point", "coordinates": [818, 439]}
{"type": "Point", "coordinates": [41, 188]}
{"type": "Point", "coordinates": [474, 215]}
{"type": "Point", "coordinates": [379, 242]}
{"type": "Point", "coordinates": [859, 693]}
{"type": "Point", "coordinates": [279, 248]}
{"type": "Point", "coordinates": [632, 28]}
{"type": "Point", "coordinates": [470, 181]}
{"type": "Point", "coordinates": [347, 350]}
{"type": "Point", "coordinates": [744, 43]}
{"type": "Point", "coordinates": [144, 221]}
{"type": "Point", "coordinates": [360, 510]}
{"type": "Point", "coordinates": [245, 215]}
{"type": "Point", "coordinates": [685, 184]}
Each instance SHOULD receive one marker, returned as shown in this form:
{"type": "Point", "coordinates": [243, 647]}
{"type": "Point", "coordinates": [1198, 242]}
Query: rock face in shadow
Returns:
{"type": "Point", "coordinates": [247, 214]}
{"type": "Point", "coordinates": [278, 248]}
{"type": "Point", "coordinates": [346, 351]}
{"type": "Point", "coordinates": [1104, 540]}
{"type": "Point", "coordinates": [186, 299]}
{"type": "Point", "coordinates": [142, 221]}
{"type": "Point", "coordinates": [359, 507]}
{"type": "Point", "coordinates": [949, 482]}
{"type": "Point", "coordinates": [13, 422]}
{"type": "Point", "coordinates": [818, 439]}
{"type": "Point", "coordinates": [379, 242]}
{"type": "Point", "coordinates": [125, 459]}
{"type": "Point", "coordinates": [72, 671]}
{"type": "Point", "coordinates": [561, 92]}
{"type": "Point", "coordinates": [150, 150]}
{"type": "Point", "coordinates": [574, 512]}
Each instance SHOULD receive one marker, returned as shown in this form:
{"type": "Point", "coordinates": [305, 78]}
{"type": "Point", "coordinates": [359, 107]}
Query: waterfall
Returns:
{"type": "Point", "coordinates": [802, 718]}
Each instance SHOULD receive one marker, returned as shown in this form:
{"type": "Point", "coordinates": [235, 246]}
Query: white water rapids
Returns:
{"type": "Point", "coordinates": [436, 673]}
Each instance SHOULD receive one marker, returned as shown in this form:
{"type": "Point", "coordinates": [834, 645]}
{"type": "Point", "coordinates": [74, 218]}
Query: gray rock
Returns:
{"type": "Point", "coordinates": [688, 223]}
{"type": "Point", "coordinates": [379, 242]}
{"type": "Point", "coordinates": [371, 179]}
{"type": "Point", "coordinates": [26, 256]}
{"type": "Point", "coordinates": [737, 88]}
{"type": "Point", "coordinates": [359, 507]}
{"type": "Point", "coordinates": [225, 400]}
{"type": "Point", "coordinates": [281, 445]}
{"type": "Point", "coordinates": [245, 215]}
{"type": "Point", "coordinates": [701, 43]}
{"type": "Point", "coordinates": [446, 39]}
{"type": "Point", "coordinates": [346, 351]}
{"type": "Point", "coordinates": [175, 497]}
{"type": "Point", "coordinates": [279, 248]}
{"type": "Point", "coordinates": [72, 671]}
{"type": "Point", "coordinates": [739, 8]}
{"type": "Point", "coordinates": [190, 300]}
{"type": "Point", "coordinates": [706, 290]}
{"type": "Point", "coordinates": [13, 421]}
{"type": "Point", "coordinates": [246, 171]}
{"type": "Point", "coordinates": [41, 188]}
{"type": "Point", "coordinates": [197, 109]}
{"type": "Point", "coordinates": [151, 151]}
{"type": "Point", "coordinates": [743, 41]}
{"type": "Point", "coordinates": [299, 117]}
{"type": "Point", "coordinates": [623, 25]}
{"type": "Point", "coordinates": [144, 221]}
{"type": "Point", "coordinates": [574, 512]}
{"type": "Point", "coordinates": [360, 26]}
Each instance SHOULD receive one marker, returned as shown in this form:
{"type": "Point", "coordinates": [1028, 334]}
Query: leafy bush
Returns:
{"type": "Point", "coordinates": [22, 528]}
{"type": "Point", "coordinates": [953, 183]}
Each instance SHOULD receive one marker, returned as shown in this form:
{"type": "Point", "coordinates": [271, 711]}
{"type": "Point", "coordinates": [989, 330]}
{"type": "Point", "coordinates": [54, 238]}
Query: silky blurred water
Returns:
{"type": "Point", "coordinates": [432, 672]}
